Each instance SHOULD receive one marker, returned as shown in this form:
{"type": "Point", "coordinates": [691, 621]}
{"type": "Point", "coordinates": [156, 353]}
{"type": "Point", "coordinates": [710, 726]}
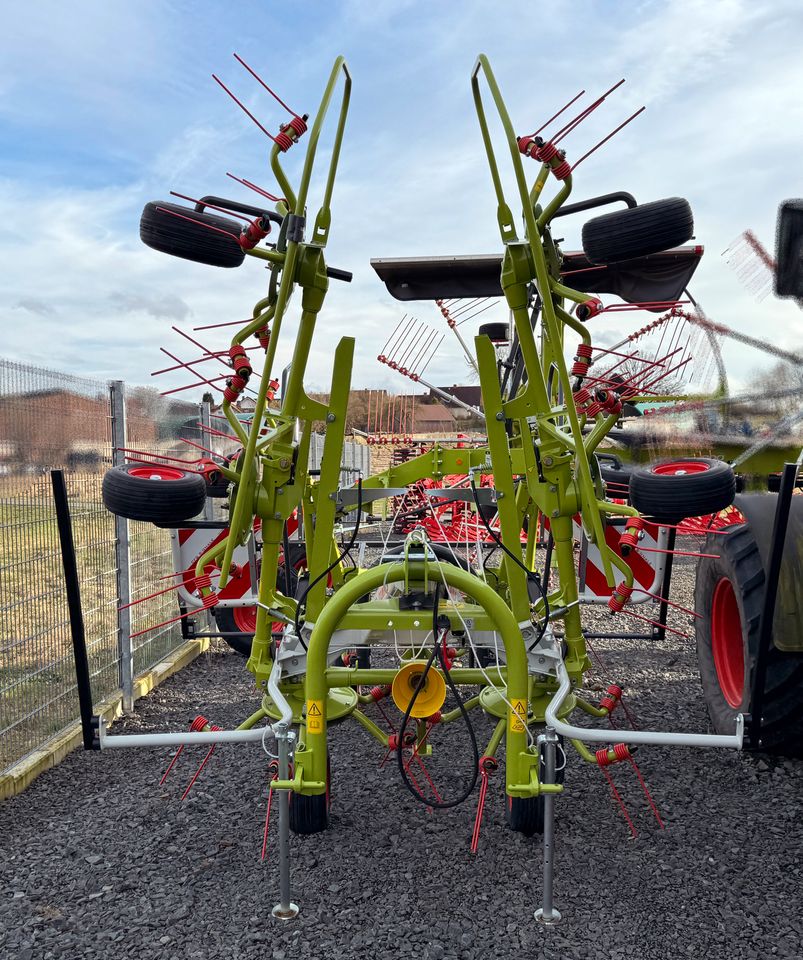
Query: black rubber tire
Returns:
{"type": "Point", "coordinates": [739, 565]}
{"type": "Point", "coordinates": [525, 815]}
{"type": "Point", "coordinates": [638, 231]}
{"type": "Point", "coordinates": [708, 486]}
{"type": "Point", "coordinates": [497, 332]}
{"type": "Point", "coordinates": [188, 238]}
{"type": "Point", "coordinates": [310, 813]}
{"type": "Point", "coordinates": [225, 616]}
{"type": "Point", "coordinates": [218, 487]}
{"type": "Point", "coordinates": [618, 476]}
{"type": "Point", "coordinates": [177, 497]}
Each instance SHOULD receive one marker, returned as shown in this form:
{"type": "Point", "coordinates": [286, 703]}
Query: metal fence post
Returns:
{"type": "Point", "coordinates": [122, 551]}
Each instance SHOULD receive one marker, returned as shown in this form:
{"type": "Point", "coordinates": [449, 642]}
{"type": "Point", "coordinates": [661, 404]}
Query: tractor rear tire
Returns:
{"type": "Point", "coordinates": [729, 593]}
{"type": "Point", "coordinates": [638, 231]}
{"type": "Point", "coordinates": [154, 493]}
{"type": "Point", "coordinates": [671, 490]}
{"type": "Point", "coordinates": [183, 232]}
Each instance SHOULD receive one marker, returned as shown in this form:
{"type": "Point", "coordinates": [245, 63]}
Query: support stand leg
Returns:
{"type": "Point", "coordinates": [285, 909]}
{"type": "Point", "coordinates": [547, 743]}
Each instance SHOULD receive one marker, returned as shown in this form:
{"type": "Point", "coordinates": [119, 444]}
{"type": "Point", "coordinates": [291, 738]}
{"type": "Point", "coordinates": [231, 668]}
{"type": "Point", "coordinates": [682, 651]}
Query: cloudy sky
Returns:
{"type": "Point", "coordinates": [106, 105]}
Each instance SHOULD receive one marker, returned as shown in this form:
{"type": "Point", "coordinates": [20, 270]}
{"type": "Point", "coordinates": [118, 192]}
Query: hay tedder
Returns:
{"type": "Point", "coordinates": [496, 628]}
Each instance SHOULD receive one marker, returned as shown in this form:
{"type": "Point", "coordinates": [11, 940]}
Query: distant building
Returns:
{"type": "Point", "coordinates": [433, 418]}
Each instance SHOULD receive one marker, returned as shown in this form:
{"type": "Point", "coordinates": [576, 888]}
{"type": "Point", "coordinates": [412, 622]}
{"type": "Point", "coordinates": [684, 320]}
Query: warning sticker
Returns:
{"type": "Point", "coordinates": [315, 716]}
{"type": "Point", "coordinates": [518, 716]}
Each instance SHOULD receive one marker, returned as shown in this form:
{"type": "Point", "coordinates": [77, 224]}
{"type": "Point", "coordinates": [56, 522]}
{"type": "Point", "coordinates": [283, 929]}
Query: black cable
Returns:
{"type": "Point", "coordinates": [331, 567]}
{"type": "Point", "coordinates": [437, 650]}
{"type": "Point", "coordinates": [532, 576]}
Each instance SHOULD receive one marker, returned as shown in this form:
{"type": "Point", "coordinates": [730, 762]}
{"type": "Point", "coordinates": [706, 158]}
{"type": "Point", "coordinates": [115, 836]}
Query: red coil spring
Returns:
{"type": "Point", "coordinates": [379, 692]}
{"type": "Point", "coordinates": [620, 597]}
{"type": "Point", "coordinates": [562, 170]}
{"type": "Point", "coordinates": [546, 152]}
{"type": "Point", "coordinates": [283, 141]}
{"type": "Point", "coordinates": [580, 367]}
{"type": "Point", "coordinates": [581, 397]}
{"type": "Point", "coordinates": [620, 752]}
{"type": "Point", "coordinates": [298, 125]}
{"type": "Point", "coordinates": [629, 538]}
{"type": "Point", "coordinates": [612, 698]}
{"type": "Point", "coordinates": [435, 718]}
{"type": "Point", "coordinates": [205, 580]}
{"type": "Point", "coordinates": [198, 724]}
{"type": "Point", "coordinates": [263, 335]}
{"type": "Point", "coordinates": [525, 146]}
{"type": "Point", "coordinates": [584, 350]}
{"type": "Point", "coordinates": [210, 600]}
{"type": "Point", "coordinates": [593, 409]}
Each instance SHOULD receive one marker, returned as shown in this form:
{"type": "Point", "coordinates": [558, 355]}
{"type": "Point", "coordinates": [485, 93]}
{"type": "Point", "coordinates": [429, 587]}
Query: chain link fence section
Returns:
{"type": "Point", "coordinates": [50, 420]}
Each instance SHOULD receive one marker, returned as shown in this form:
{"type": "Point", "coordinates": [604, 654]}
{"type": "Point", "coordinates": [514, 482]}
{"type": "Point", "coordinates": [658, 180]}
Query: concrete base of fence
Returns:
{"type": "Point", "coordinates": [22, 774]}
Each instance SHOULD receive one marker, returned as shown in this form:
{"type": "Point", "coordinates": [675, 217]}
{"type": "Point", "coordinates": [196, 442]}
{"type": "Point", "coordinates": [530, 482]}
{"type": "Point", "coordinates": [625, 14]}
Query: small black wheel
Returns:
{"type": "Point", "coordinates": [152, 492]}
{"type": "Point", "coordinates": [183, 232]}
{"type": "Point", "coordinates": [496, 332]}
{"type": "Point", "coordinates": [525, 815]}
{"type": "Point", "coordinates": [671, 490]}
{"type": "Point", "coordinates": [310, 813]}
{"type": "Point", "coordinates": [638, 231]}
{"type": "Point", "coordinates": [216, 484]}
{"type": "Point", "coordinates": [615, 475]}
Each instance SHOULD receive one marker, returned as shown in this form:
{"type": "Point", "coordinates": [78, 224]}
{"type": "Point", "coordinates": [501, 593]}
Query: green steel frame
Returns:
{"type": "Point", "coordinates": [539, 450]}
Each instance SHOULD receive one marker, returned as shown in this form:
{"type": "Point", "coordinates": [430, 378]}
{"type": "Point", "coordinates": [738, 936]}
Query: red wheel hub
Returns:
{"type": "Point", "coordinates": [680, 468]}
{"type": "Point", "coordinates": [245, 618]}
{"type": "Point", "coordinates": [727, 645]}
{"type": "Point", "coordinates": [156, 472]}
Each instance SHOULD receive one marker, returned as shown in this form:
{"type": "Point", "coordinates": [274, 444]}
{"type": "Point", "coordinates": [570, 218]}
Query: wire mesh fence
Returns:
{"type": "Point", "coordinates": [50, 420]}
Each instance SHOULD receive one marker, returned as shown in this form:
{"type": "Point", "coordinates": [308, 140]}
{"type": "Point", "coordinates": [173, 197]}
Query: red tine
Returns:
{"type": "Point", "coordinates": [229, 213]}
{"type": "Point", "coordinates": [187, 365]}
{"type": "Point", "coordinates": [606, 139]}
{"type": "Point", "coordinates": [243, 107]}
{"type": "Point", "coordinates": [254, 187]}
{"type": "Point", "coordinates": [200, 223]}
{"type": "Point", "coordinates": [199, 447]}
{"type": "Point", "coordinates": [395, 330]}
{"type": "Point", "coordinates": [229, 323]}
{"type": "Point", "coordinates": [189, 386]}
{"type": "Point", "coordinates": [259, 80]}
{"type": "Point", "coordinates": [572, 124]}
{"type": "Point", "coordinates": [655, 623]}
{"type": "Point", "coordinates": [159, 456]}
{"type": "Point", "coordinates": [556, 115]}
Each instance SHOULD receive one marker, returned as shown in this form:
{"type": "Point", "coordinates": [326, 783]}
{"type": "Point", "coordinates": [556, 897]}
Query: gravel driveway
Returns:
{"type": "Point", "coordinates": [99, 861]}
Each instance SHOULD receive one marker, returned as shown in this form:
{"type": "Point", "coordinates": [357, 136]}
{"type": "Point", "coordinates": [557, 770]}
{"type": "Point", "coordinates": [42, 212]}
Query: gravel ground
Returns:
{"type": "Point", "coordinates": [100, 862]}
